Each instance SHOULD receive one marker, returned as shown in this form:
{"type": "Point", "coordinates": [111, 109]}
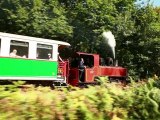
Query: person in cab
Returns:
{"type": "Point", "coordinates": [81, 70]}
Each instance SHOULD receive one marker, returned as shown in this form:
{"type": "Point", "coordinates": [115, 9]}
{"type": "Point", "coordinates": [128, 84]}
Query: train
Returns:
{"type": "Point", "coordinates": [38, 59]}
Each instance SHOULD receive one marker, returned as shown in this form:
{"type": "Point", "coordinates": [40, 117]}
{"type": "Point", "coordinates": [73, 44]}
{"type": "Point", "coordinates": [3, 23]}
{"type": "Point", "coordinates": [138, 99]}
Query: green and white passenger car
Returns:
{"type": "Point", "coordinates": [36, 65]}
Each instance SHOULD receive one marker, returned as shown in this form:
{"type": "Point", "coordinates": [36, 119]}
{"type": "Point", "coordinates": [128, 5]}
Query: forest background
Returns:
{"type": "Point", "coordinates": [136, 28]}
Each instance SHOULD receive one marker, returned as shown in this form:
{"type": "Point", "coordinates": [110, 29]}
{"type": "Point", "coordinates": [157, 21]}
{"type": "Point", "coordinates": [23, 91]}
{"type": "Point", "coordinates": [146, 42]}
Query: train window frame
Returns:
{"type": "Point", "coordinates": [44, 51]}
{"type": "Point", "coordinates": [0, 45]}
{"type": "Point", "coordinates": [88, 60]}
{"type": "Point", "coordinates": [22, 48]}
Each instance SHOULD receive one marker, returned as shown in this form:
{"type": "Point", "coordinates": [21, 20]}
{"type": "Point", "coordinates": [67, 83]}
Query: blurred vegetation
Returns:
{"type": "Point", "coordinates": [81, 22]}
{"type": "Point", "coordinates": [104, 102]}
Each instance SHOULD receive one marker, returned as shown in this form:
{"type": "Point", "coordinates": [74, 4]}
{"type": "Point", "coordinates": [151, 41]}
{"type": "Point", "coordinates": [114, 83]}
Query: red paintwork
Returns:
{"type": "Point", "coordinates": [96, 70]}
{"type": "Point", "coordinates": [63, 69]}
{"type": "Point", "coordinates": [112, 71]}
{"type": "Point", "coordinates": [91, 73]}
{"type": "Point", "coordinates": [73, 77]}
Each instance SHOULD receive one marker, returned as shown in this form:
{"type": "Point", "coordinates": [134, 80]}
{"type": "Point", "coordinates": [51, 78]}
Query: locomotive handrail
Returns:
{"type": "Point", "coordinates": [63, 68]}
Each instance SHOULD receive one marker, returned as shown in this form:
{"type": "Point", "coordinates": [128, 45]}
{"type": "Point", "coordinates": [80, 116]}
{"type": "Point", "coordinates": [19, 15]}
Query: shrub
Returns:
{"type": "Point", "coordinates": [109, 101]}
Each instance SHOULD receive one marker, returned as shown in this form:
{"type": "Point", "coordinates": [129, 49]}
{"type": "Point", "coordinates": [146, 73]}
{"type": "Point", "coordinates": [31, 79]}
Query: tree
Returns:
{"type": "Point", "coordinates": [90, 18]}
{"type": "Point", "coordinates": [147, 37]}
{"type": "Point", "coordinates": [81, 23]}
{"type": "Point", "coordinates": [41, 18]}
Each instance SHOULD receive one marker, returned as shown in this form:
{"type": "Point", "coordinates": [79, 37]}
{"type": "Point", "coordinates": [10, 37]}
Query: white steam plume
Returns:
{"type": "Point", "coordinates": [109, 37]}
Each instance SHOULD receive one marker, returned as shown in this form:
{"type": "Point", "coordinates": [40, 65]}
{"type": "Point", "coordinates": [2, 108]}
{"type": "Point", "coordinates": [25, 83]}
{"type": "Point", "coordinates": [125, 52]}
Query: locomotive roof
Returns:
{"type": "Point", "coordinates": [83, 53]}
{"type": "Point", "coordinates": [28, 38]}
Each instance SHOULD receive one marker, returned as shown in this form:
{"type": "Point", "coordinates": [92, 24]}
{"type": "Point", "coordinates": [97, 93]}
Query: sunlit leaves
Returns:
{"type": "Point", "coordinates": [35, 18]}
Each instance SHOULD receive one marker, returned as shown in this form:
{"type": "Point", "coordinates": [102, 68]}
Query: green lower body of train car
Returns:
{"type": "Point", "coordinates": [19, 68]}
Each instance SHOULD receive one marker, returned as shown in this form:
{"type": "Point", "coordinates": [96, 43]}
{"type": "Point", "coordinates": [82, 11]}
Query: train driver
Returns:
{"type": "Point", "coordinates": [81, 69]}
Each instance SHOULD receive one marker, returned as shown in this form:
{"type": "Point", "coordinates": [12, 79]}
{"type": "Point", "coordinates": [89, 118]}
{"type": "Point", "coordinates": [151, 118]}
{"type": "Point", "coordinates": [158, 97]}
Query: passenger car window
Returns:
{"type": "Point", "coordinates": [44, 51]}
{"type": "Point", "coordinates": [20, 47]}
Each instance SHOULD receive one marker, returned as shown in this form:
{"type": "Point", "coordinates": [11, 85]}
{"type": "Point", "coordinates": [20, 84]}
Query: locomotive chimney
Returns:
{"type": "Point", "coordinates": [116, 63]}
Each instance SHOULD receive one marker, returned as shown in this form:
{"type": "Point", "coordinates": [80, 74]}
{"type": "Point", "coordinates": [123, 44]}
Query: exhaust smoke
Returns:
{"type": "Point", "coordinates": [109, 37]}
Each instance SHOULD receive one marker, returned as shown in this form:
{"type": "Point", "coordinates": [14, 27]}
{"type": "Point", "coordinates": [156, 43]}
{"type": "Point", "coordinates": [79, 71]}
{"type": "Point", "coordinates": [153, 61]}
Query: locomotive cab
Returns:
{"type": "Point", "coordinates": [77, 75]}
{"type": "Point", "coordinates": [94, 67]}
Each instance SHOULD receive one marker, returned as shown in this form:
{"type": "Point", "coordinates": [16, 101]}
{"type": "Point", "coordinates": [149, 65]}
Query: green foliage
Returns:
{"type": "Point", "coordinates": [107, 101]}
{"type": "Point", "coordinates": [81, 23]}
{"type": "Point", "coordinates": [35, 18]}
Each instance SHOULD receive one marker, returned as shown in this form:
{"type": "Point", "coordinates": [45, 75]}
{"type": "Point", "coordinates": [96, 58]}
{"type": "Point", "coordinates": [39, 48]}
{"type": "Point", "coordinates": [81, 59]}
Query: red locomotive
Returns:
{"type": "Point", "coordinates": [95, 67]}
